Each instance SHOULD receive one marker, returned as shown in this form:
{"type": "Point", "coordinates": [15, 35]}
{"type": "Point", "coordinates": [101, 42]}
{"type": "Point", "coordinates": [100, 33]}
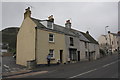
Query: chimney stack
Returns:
{"type": "Point", "coordinates": [27, 13]}
{"type": "Point", "coordinates": [51, 19]}
{"type": "Point", "coordinates": [108, 32]}
{"type": "Point", "coordinates": [87, 32]}
{"type": "Point", "coordinates": [68, 24]}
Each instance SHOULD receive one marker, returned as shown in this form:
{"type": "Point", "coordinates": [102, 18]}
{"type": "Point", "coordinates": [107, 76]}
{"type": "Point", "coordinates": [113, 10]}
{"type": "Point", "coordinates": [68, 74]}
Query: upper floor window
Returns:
{"type": "Point", "coordinates": [71, 41]}
{"type": "Point", "coordinates": [85, 45]}
{"type": "Point", "coordinates": [51, 37]}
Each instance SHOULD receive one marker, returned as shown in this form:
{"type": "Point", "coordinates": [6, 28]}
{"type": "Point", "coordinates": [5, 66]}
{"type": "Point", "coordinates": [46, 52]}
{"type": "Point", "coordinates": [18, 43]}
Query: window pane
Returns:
{"type": "Point", "coordinates": [51, 51]}
{"type": "Point", "coordinates": [51, 37]}
{"type": "Point", "coordinates": [71, 41]}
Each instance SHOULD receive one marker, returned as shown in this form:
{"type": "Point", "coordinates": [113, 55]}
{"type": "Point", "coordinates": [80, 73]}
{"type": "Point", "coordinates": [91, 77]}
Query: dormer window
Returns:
{"type": "Point", "coordinates": [49, 24]}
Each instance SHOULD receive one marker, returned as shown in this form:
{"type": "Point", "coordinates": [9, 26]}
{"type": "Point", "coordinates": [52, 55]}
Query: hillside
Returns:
{"type": "Point", "coordinates": [9, 35]}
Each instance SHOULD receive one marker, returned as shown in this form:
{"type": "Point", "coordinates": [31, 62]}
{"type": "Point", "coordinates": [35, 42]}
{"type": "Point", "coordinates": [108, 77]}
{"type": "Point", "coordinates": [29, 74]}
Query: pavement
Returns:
{"type": "Point", "coordinates": [106, 67]}
{"type": "Point", "coordinates": [9, 65]}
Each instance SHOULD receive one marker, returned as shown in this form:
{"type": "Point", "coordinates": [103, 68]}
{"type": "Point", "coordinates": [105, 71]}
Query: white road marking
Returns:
{"type": "Point", "coordinates": [6, 66]}
{"type": "Point", "coordinates": [110, 63]}
{"type": "Point", "coordinates": [94, 69]}
{"type": "Point", "coordinates": [83, 73]}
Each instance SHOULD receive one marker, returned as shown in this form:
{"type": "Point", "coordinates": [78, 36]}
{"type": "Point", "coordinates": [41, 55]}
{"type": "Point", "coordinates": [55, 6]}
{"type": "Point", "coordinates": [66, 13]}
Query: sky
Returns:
{"type": "Point", "coordinates": [84, 16]}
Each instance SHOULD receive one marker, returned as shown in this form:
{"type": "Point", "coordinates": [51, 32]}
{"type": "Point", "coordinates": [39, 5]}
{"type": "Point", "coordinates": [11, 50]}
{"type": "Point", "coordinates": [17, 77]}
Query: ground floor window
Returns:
{"type": "Point", "coordinates": [51, 52]}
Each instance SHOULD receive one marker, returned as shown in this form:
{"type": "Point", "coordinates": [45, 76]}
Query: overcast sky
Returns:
{"type": "Point", "coordinates": [91, 16]}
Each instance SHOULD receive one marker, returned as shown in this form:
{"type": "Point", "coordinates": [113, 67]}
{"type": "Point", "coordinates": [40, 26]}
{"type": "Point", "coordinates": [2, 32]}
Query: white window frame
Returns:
{"type": "Point", "coordinates": [52, 53]}
{"type": "Point", "coordinates": [51, 37]}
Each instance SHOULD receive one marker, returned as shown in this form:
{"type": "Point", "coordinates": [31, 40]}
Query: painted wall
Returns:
{"type": "Point", "coordinates": [26, 42]}
{"type": "Point", "coordinates": [82, 51]}
{"type": "Point", "coordinates": [112, 41]}
{"type": "Point", "coordinates": [43, 46]}
{"type": "Point", "coordinates": [79, 45]}
{"type": "Point", "coordinates": [94, 47]}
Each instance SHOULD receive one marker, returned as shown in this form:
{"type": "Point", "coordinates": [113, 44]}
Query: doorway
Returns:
{"type": "Point", "coordinates": [61, 56]}
{"type": "Point", "coordinates": [72, 54]}
{"type": "Point", "coordinates": [78, 55]}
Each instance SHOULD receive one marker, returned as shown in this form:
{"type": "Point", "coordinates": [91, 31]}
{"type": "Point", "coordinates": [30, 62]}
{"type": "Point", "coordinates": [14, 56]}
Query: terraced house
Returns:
{"type": "Point", "coordinates": [110, 42]}
{"type": "Point", "coordinates": [37, 38]}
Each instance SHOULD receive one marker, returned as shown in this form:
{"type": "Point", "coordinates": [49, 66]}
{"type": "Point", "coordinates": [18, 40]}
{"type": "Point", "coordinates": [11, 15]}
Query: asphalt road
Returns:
{"type": "Point", "coordinates": [106, 67]}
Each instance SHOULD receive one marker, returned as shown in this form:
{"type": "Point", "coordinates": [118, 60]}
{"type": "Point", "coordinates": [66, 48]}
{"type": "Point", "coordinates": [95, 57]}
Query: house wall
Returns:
{"type": "Point", "coordinates": [79, 45]}
{"type": "Point", "coordinates": [43, 46]}
{"type": "Point", "coordinates": [102, 40]}
{"type": "Point", "coordinates": [83, 50]}
{"type": "Point", "coordinates": [113, 43]}
{"type": "Point", "coordinates": [94, 47]}
{"type": "Point", "coordinates": [26, 42]}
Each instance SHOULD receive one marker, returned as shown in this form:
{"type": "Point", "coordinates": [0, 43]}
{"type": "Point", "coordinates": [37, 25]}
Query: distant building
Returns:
{"type": "Point", "coordinates": [109, 42]}
{"type": "Point", "coordinates": [38, 38]}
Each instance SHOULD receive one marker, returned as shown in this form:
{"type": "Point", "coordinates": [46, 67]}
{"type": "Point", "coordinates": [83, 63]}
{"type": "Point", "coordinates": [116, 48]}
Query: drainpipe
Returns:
{"type": "Point", "coordinates": [88, 52]}
{"type": "Point", "coordinates": [36, 44]}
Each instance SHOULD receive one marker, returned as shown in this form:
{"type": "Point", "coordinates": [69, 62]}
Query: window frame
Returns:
{"type": "Point", "coordinates": [51, 37]}
{"type": "Point", "coordinates": [53, 53]}
{"type": "Point", "coordinates": [71, 41]}
{"type": "Point", "coordinates": [86, 45]}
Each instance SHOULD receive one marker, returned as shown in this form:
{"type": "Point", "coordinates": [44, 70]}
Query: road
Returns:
{"type": "Point", "coordinates": [106, 67]}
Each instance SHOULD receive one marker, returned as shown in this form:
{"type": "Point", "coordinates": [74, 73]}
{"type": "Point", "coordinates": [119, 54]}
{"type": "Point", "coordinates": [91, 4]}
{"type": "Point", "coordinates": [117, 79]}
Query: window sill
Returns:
{"type": "Point", "coordinates": [52, 58]}
{"type": "Point", "coordinates": [51, 42]}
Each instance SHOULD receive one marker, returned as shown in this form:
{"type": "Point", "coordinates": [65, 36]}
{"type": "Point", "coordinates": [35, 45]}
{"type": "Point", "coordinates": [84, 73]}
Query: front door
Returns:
{"type": "Point", "coordinates": [61, 56]}
{"type": "Point", "coordinates": [78, 55]}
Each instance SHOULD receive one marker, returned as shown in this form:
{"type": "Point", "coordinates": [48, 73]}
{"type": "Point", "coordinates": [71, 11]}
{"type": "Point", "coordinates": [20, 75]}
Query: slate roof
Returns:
{"type": "Point", "coordinates": [114, 34]}
{"type": "Point", "coordinates": [63, 30]}
{"type": "Point", "coordinates": [90, 38]}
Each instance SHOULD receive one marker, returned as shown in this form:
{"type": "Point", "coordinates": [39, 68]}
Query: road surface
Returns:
{"type": "Point", "coordinates": [106, 67]}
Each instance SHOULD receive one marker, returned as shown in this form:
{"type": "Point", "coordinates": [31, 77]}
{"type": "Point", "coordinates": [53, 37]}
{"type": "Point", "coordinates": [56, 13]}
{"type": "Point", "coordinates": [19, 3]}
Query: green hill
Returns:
{"type": "Point", "coordinates": [9, 36]}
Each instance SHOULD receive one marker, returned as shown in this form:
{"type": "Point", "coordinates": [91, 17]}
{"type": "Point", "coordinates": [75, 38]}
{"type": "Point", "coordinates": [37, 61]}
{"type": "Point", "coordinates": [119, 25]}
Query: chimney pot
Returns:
{"type": "Point", "coordinates": [108, 31]}
{"type": "Point", "coordinates": [87, 32]}
{"type": "Point", "coordinates": [68, 24]}
{"type": "Point", "coordinates": [27, 13]}
{"type": "Point", "coordinates": [50, 18]}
